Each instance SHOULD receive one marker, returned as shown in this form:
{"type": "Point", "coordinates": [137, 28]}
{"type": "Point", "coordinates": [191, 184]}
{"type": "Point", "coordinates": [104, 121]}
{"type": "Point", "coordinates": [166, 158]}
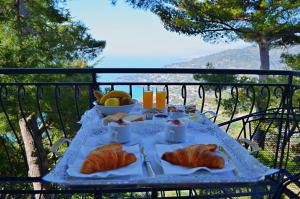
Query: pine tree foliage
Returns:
{"type": "Point", "coordinates": [264, 22]}
{"type": "Point", "coordinates": [43, 34]}
{"type": "Point", "coordinates": [231, 19]}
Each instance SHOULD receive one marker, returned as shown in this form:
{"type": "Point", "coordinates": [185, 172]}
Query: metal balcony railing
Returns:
{"type": "Point", "coordinates": [49, 102]}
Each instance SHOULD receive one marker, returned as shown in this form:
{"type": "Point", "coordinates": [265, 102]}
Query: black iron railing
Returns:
{"type": "Point", "coordinates": [49, 102]}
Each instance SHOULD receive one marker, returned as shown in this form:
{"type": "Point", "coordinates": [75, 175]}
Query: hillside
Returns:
{"type": "Point", "coordinates": [246, 58]}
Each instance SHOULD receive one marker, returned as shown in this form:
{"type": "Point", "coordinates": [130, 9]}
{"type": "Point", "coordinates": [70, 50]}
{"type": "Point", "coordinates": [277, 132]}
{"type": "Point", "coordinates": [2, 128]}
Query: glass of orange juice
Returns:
{"type": "Point", "coordinates": [147, 97]}
{"type": "Point", "coordinates": [161, 95]}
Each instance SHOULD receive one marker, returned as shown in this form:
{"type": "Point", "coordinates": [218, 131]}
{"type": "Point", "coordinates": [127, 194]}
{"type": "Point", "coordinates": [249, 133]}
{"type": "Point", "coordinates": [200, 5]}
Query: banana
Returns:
{"type": "Point", "coordinates": [98, 101]}
{"type": "Point", "coordinates": [97, 95]}
{"type": "Point", "coordinates": [114, 94]}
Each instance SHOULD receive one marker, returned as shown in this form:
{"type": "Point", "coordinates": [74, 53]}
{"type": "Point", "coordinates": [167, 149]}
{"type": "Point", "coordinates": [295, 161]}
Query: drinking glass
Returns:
{"type": "Point", "coordinates": [147, 97]}
{"type": "Point", "coordinates": [161, 95]}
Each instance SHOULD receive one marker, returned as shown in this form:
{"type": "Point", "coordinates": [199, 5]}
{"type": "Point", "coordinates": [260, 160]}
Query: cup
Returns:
{"type": "Point", "coordinates": [119, 132]}
{"type": "Point", "coordinates": [161, 95]}
{"type": "Point", "coordinates": [175, 131]}
{"type": "Point", "coordinates": [147, 97]}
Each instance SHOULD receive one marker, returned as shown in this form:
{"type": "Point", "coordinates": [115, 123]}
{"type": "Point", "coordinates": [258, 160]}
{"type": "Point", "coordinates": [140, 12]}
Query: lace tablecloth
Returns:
{"type": "Point", "coordinates": [247, 168]}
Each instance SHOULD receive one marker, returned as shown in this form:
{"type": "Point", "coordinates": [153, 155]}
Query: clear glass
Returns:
{"type": "Point", "coordinates": [147, 97]}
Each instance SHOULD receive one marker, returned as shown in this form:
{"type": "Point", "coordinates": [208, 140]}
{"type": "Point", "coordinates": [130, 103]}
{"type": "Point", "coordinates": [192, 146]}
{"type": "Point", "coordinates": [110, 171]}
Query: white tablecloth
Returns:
{"type": "Point", "coordinates": [249, 169]}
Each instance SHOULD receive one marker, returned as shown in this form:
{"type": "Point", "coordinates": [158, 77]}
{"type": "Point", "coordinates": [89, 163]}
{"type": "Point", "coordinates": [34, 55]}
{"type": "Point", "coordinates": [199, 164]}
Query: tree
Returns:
{"type": "Point", "coordinates": [220, 78]}
{"type": "Point", "coordinates": [266, 23]}
{"type": "Point", "coordinates": [39, 34]}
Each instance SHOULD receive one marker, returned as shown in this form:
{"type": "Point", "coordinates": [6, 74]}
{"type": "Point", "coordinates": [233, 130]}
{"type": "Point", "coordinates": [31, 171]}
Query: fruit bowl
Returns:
{"type": "Point", "coordinates": [109, 110]}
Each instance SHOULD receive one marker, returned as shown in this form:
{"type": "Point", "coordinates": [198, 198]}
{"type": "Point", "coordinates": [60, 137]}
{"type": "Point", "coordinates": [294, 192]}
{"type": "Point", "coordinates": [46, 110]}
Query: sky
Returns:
{"type": "Point", "coordinates": [137, 38]}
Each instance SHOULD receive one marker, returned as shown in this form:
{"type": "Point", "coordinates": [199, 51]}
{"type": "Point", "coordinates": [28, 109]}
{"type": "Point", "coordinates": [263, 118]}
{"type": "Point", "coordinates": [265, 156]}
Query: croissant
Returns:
{"type": "Point", "coordinates": [199, 155]}
{"type": "Point", "coordinates": [105, 158]}
{"type": "Point", "coordinates": [113, 146]}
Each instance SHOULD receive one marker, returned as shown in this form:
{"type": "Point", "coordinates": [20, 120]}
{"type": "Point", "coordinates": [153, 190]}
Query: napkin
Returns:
{"type": "Point", "coordinates": [132, 169]}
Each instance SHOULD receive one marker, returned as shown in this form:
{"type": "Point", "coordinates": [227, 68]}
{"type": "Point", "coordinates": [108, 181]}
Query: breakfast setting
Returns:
{"type": "Point", "coordinates": [150, 142]}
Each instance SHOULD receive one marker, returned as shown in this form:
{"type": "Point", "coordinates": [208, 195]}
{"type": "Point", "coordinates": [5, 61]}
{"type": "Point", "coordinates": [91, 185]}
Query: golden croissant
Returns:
{"type": "Point", "coordinates": [105, 158]}
{"type": "Point", "coordinates": [113, 146]}
{"type": "Point", "coordinates": [199, 155]}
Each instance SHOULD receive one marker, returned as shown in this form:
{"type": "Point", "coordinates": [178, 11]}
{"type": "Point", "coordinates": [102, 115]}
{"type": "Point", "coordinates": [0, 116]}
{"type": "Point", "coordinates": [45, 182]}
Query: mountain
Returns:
{"type": "Point", "coordinates": [245, 58]}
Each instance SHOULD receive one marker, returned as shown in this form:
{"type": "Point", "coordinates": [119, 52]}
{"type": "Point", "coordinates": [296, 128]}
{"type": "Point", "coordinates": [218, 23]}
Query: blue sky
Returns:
{"type": "Point", "coordinates": [136, 38]}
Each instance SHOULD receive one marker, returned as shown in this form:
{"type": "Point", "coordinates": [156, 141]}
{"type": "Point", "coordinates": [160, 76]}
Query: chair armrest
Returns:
{"type": "Point", "coordinates": [57, 144]}
{"type": "Point", "coordinates": [254, 146]}
{"type": "Point", "coordinates": [213, 114]}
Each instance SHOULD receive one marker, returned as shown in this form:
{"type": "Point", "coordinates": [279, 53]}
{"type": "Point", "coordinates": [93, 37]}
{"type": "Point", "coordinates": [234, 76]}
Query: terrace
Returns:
{"type": "Point", "coordinates": [264, 114]}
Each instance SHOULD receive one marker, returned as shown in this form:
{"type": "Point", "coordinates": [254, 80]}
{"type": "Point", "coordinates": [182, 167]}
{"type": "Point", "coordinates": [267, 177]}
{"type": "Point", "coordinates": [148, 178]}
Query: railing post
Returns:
{"type": "Point", "coordinates": [93, 86]}
{"type": "Point", "coordinates": [288, 111]}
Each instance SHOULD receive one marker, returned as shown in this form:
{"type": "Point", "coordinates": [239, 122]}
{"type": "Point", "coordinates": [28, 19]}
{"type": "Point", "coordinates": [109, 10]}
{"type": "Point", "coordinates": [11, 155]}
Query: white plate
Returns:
{"type": "Point", "coordinates": [171, 169]}
{"type": "Point", "coordinates": [132, 169]}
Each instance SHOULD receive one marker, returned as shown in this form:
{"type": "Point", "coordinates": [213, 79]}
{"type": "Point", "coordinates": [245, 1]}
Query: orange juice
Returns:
{"type": "Point", "coordinates": [161, 99]}
{"type": "Point", "coordinates": [148, 99]}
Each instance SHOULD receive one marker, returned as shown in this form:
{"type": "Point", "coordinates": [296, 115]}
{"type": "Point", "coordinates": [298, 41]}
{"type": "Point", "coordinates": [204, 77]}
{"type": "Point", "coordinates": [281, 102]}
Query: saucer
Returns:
{"type": "Point", "coordinates": [161, 139]}
{"type": "Point", "coordinates": [105, 139]}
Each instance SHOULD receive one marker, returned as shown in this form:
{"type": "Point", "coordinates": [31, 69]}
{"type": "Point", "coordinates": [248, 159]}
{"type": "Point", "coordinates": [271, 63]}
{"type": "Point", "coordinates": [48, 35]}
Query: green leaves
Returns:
{"type": "Point", "coordinates": [228, 19]}
{"type": "Point", "coordinates": [42, 34]}
{"type": "Point", "coordinates": [216, 78]}
{"type": "Point", "coordinates": [292, 60]}
{"type": "Point", "coordinates": [264, 22]}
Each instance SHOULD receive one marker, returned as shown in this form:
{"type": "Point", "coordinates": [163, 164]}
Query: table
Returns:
{"type": "Point", "coordinates": [250, 170]}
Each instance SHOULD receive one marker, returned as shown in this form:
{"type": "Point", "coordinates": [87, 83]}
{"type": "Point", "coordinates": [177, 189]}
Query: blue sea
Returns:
{"type": "Point", "coordinates": [131, 62]}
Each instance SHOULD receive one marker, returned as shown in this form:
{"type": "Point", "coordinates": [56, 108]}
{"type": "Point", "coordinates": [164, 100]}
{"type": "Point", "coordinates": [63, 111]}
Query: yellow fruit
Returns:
{"type": "Point", "coordinates": [114, 94]}
{"type": "Point", "coordinates": [97, 95]}
{"type": "Point", "coordinates": [112, 102]}
{"type": "Point", "coordinates": [98, 101]}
